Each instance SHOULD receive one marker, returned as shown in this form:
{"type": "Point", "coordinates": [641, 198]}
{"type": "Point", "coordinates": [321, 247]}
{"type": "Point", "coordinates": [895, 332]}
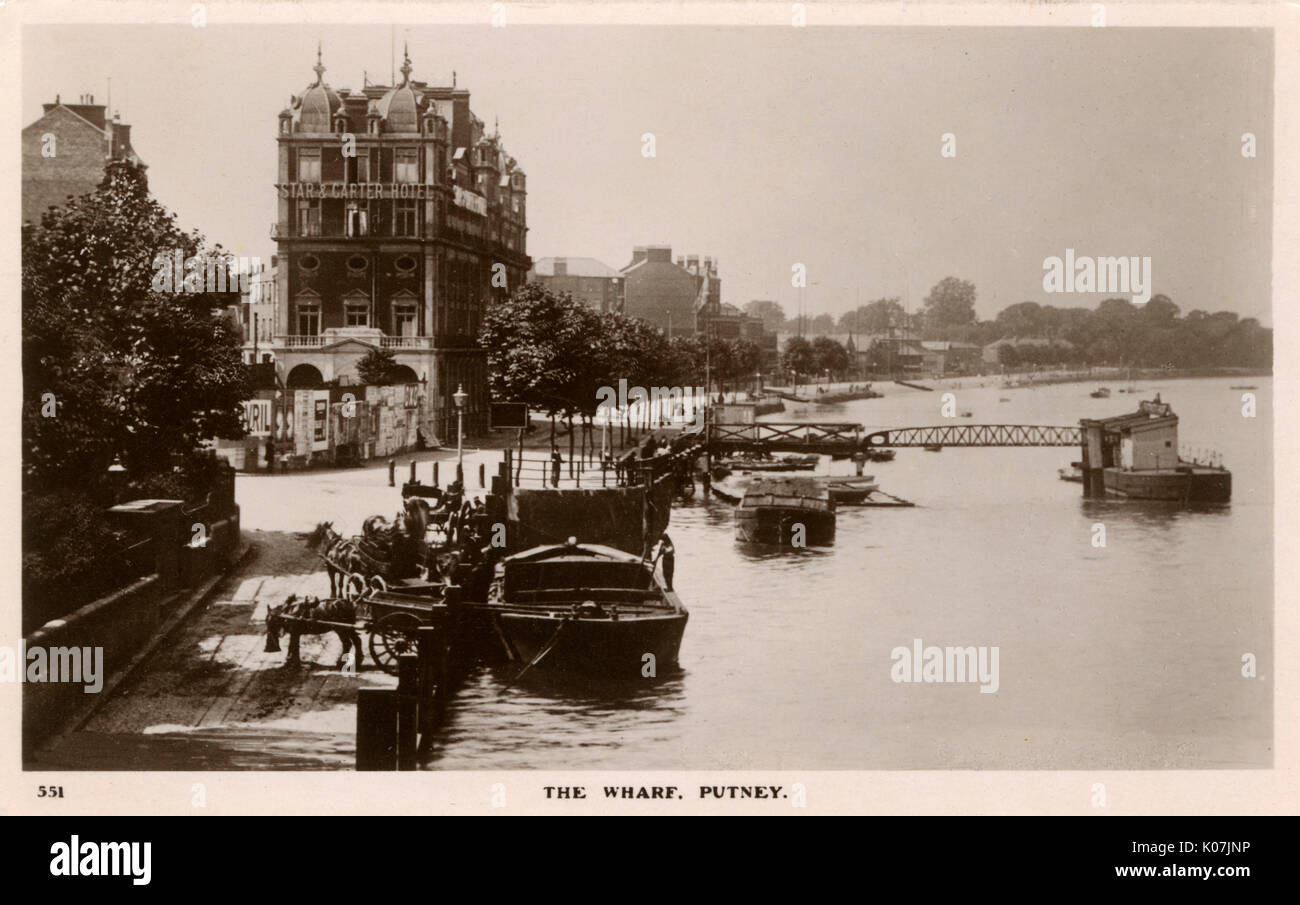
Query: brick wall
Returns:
{"type": "Point", "coordinates": [76, 168]}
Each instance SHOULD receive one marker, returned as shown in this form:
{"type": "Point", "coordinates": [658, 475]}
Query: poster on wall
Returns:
{"type": "Point", "coordinates": [320, 420]}
{"type": "Point", "coordinates": [257, 417]}
{"type": "Point", "coordinates": [302, 417]}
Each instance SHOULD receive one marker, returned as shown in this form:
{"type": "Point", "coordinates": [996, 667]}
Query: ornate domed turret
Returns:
{"type": "Point", "coordinates": [319, 102]}
{"type": "Point", "coordinates": [400, 106]}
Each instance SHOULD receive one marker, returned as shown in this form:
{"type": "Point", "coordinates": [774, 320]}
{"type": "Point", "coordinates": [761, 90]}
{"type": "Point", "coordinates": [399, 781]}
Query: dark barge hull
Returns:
{"type": "Point", "coordinates": [1199, 485]}
{"type": "Point", "coordinates": [614, 648]}
{"type": "Point", "coordinates": [774, 525]}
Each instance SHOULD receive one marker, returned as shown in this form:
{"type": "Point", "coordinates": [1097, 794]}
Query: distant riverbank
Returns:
{"type": "Point", "coordinates": [1029, 379]}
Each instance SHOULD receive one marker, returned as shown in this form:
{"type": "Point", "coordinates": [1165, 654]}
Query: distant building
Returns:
{"type": "Point", "coordinates": [400, 246]}
{"type": "Point", "coordinates": [676, 297]}
{"type": "Point", "coordinates": [65, 152]}
{"type": "Point", "coordinates": [991, 353]}
{"type": "Point", "coordinates": [589, 281]}
{"type": "Point", "coordinates": [259, 313]}
{"type": "Point", "coordinates": [942, 358]}
{"type": "Point", "coordinates": [897, 353]}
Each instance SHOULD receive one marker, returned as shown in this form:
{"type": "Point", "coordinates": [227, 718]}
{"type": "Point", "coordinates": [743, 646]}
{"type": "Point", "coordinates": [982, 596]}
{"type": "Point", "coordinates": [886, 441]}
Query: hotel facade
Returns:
{"type": "Point", "coordinates": [399, 220]}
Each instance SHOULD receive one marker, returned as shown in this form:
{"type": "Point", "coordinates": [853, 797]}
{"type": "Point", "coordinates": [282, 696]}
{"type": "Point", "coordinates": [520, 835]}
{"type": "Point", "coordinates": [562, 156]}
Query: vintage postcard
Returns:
{"type": "Point", "coordinates": [649, 409]}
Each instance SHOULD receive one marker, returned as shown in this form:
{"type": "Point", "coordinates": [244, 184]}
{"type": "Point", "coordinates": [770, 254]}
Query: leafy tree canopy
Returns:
{"type": "Point", "coordinates": [113, 367]}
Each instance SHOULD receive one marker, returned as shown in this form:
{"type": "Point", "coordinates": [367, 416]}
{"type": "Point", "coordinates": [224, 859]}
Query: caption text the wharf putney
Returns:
{"type": "Point", "coordinates": [668, 793]}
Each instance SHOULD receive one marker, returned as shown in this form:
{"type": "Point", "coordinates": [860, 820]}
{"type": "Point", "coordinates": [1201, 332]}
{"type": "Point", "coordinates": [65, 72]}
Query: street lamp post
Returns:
{"type": "Point", "coordinates": [116, 479]}
{"type": "Point", "coordinates": [459, 398]}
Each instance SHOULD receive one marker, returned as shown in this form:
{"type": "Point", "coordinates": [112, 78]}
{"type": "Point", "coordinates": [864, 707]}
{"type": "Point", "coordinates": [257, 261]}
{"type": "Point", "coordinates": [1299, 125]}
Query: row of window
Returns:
{"type": "Point", "coordinates": [378, 217]}
{"type": "Point", "coordinates": [356, 313]}
{"type": "Point", "coordinates": [399, 165]}
{"type": "Point", "coordinates": [368, 165]}
{"type": "Point", "coordinates": [354, 219]}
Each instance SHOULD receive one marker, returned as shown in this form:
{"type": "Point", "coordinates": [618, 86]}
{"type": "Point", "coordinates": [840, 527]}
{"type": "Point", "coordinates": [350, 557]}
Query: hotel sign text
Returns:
{"type": "Point", "coordinates": [379, 190]}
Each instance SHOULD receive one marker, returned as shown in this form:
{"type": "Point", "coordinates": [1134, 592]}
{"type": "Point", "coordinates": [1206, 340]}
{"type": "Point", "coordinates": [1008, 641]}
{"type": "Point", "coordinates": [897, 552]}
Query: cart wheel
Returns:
{"type": "Point", "coordinates": [377, 583]}
{"type": "Point", "coordinates": [354, 587]}
{"type": "Point", "coordinates": [391, 637]}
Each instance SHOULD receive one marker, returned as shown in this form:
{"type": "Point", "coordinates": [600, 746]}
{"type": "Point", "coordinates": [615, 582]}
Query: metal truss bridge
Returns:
{"type": "Point", "coordinates": [844, 438]}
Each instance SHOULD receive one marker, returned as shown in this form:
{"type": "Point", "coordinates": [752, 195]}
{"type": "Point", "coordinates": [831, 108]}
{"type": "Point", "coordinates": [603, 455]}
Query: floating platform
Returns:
{"type": "Point", "coordinates": [733, 491]}
{"type": "Point", "coordinates": [1183, 484]}
{"type": "Point", "coordinates": [786, 512]}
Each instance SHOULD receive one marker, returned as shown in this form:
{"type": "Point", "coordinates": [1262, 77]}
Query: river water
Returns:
{"type": "Point", "coordinates": [1126, 656]}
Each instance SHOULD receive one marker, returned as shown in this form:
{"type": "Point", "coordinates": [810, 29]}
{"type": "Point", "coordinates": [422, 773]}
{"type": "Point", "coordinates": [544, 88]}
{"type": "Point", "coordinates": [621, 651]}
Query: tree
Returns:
{"type": "Point", "coordinates": [821, 324]}
{"type": "Point", "coordinates": [798, 356]}
{"type": "Point", "coordinates": [828, 355]}
{"type": "Point", "coordinates": [771, 314]}
{"type": "Point", "coordinates": [1022, 319]}
{"type": "Point", "coordinates": [534, 341]}
{"type": "Point", "coordinates": [950, 303]}
{"type": "Point", "coordinates": [748, 358]}
{"type": "Point", "coordinates": [378, 368]}
{"type": "Point", "coordinates": [1159, 312]}
{"type": "Point", "coordinates": [874, 317]}
{"type": "Point", "coordinates": [126, 370]}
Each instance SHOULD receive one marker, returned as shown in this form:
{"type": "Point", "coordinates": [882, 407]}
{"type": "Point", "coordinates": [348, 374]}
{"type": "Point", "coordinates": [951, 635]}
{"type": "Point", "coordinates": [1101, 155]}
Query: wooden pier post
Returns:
{"type": "Point", "coordinates": [376, 729]}
{"type": "Point", "coordinates": [435, 474]}
{"type": "Point", "coordinates": [408, 710]}
{"type": "Point", "coordinates": [412, 471]}
{"type": "Point", "coordinates": [429, 652]}
{"type": "Point", "coordinates": [482, 474]}
{"type": "Point", "coordinates": [448, 638]}
{"type": "Point", "coordinates": [392, 472]}
{"type": "Point", "coordinates": [1093, 464]}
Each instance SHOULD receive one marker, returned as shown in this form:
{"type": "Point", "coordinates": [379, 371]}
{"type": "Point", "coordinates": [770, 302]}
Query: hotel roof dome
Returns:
{"type": "Point", "coordinates": [319, 103]}
{"type": "Point", "coordinates": [400, 106]}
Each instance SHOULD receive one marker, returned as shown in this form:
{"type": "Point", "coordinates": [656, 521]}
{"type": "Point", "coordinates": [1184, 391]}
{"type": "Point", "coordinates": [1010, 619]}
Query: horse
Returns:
{"type": "Point", "coordinates": [310, 617]}
{"type": "Point", "coordinates": [340, 555]}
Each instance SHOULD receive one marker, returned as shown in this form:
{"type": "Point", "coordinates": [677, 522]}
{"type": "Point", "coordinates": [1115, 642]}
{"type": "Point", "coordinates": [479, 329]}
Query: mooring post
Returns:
{"type": "Point", "coordinates": [412, 471]}
{"type": "Point", "coordinates": [408, 708]}
{"type": "Point", "coordinates": [435, 474]}
{"type": "Point", "coordinates": [429, 651]}
{"type": "Point", "coordinates": [448, 638]}
{"type": "Point", "coordinates": [376, 729]}
{"type": "Point", "coordinates": [482, 474]}
{"type": "Point", "coordinates": [1094, 476]}
{"type": "Point", "coordinates": [392, 472]}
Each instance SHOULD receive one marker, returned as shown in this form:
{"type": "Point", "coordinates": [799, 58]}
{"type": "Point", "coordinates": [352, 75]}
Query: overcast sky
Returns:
{"type": "Point", "coordinates": [775, 146]}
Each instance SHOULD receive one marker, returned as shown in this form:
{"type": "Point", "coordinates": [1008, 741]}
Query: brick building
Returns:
{"type": "Point", "coordinates": [586, 279]}
{"type": "Point", "coordinates": [672, 296]}
{"type": "Point", "coordinates": [65, 151]}
{"type": "Point", "coordinates": [400, 245]}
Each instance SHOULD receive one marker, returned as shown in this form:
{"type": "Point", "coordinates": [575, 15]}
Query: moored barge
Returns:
{"type": "Point", "coordinates": [586, 608]}
{"type": "Point", "coordinates": [786, 511]}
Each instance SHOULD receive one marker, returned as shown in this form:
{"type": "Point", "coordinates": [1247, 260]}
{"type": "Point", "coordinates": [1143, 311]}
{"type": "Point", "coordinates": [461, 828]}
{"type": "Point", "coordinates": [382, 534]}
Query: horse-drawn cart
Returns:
{"type": "Point", "coordinates": [392, 620]}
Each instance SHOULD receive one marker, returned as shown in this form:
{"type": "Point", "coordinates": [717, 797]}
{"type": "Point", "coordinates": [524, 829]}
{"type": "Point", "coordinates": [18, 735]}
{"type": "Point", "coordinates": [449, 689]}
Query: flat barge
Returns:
{"type": "Point", "coordinates": [786, 512]}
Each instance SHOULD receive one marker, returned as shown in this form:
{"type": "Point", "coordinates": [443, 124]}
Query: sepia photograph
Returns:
{"type": "Point", "coordinates": [495, 396]}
